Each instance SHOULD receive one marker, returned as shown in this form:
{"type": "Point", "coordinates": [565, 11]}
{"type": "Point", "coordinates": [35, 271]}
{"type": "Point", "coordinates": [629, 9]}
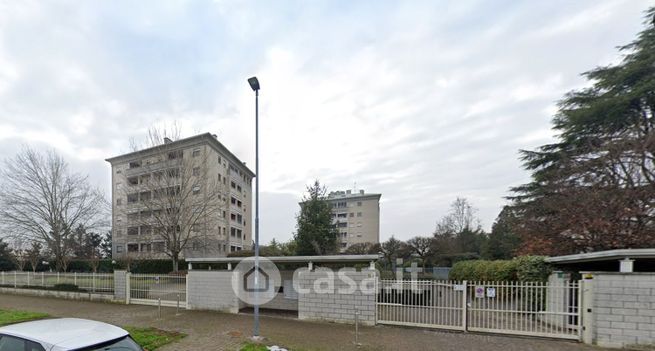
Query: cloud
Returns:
{"type": "Point", "coordinates": [420, 101]}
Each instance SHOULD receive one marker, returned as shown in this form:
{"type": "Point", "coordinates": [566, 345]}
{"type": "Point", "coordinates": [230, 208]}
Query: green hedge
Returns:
{"type": "Point", "coordinates": [524, 268]}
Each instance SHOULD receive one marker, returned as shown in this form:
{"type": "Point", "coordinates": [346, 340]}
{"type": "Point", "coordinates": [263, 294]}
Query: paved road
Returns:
{"type": "Point", "coordinates": [218, 331]}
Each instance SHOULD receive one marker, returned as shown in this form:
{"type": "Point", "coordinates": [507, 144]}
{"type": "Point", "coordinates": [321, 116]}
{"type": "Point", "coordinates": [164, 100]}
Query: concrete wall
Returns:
{"type": "Point", "coordinates": [120, 285]}
{"type": "Point", "coordinates": [335, 306]}
{"type": "Point", "coordinates": [623, 309]}
{"type": "Point", "coordinates": [69, 295]}
{"type": "Point", "coordinates": [211, 290]}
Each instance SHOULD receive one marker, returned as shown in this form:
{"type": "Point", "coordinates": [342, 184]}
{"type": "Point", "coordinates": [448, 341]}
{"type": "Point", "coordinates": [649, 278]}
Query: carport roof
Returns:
{"type": "Point", "coordinates": [604, 256]}
{"type": "Point", "coordinates": [292, 259]}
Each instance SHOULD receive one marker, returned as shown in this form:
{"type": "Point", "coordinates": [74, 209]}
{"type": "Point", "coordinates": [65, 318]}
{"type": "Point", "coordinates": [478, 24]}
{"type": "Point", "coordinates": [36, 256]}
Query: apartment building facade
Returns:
{"type": "Point", "coordinates": [198, 179]}
{"type": "Point", "coordinates": [356, 215]}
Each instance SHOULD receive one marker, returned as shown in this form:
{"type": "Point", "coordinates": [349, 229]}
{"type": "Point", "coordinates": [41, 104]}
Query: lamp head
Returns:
{"type": "Point", "coordinates": [254, 83]}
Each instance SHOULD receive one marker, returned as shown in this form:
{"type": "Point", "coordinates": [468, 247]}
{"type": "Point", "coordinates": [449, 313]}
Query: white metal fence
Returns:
{"type": "Point", "coordinates": [525, 308]}
{"type": "Point", "coordinates": [152, 289]}
{"type": "Point", "coordinates": [423, 303]}
{"type": "Point", "coordinates": [99, 283]}
{"type": "Point", "coordinates": [520, 308]}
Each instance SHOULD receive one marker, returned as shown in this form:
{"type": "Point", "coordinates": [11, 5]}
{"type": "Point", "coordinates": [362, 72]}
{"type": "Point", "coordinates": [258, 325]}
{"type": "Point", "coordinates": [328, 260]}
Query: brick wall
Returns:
{"type": "Point", "coordinates": [211, 290]}
{"type": "Point", "coordinates": [336, 306]}
{"type": "Point", "coordinates": [120, 284]}
{"type": "Point", "coordinates": [623, 310]}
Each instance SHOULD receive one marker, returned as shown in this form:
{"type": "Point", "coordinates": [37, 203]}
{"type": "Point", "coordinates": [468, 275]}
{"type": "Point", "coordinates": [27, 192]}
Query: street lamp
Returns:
{"type": "Point", "coordinates": [254, 84]}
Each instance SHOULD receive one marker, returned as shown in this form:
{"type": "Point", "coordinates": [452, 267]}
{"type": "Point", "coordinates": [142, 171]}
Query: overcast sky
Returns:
{"type": "Point", "coordinates": [420, 101]}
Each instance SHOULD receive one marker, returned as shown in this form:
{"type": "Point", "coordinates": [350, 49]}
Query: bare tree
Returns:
{"type": "Point", "coordinates": [462, 216]}
{"type": "Point", "coordinates": [41, 200]}
{"type": "Point", "coordinates": [176, 201]}
{"type": "Point", "coordinates": [34, 255]}
{"type": "Point", "coordinates": [20, 259]}
{"type": "Point", "coordinates": [422, 247]}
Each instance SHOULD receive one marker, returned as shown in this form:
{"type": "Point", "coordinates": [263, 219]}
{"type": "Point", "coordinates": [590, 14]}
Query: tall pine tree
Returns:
{"type": "Point", "coordinates": [316, 234]}
{"type": "Point", "coordinates": [594, 189]}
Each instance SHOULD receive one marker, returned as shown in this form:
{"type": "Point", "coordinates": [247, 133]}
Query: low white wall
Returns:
{"type": "Point", "coordinates": [623, 309]}
{"type": "Point", "coordinates": [211, 290]}
{"type": "Point", "coordinates": [335, 306]}
{"type": "Point", "coordinates": [69, 295]}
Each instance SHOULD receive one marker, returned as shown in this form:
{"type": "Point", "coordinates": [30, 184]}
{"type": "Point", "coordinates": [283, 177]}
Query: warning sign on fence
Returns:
{"type": "Point", "coordinates": [479, 292]}
{"type": "Point", "coordinates": [491, 292]}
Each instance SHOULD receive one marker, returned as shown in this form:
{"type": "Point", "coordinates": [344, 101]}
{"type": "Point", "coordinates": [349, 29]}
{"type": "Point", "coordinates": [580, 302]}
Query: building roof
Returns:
{"type": "Point", "coordinates": [293, 259]}
{"type": "Point", "coordinates": [200, 137]}
{"type": "Point", "coordinates": [341, 195]}
{"type": "Point", "coordinates": [604, 256]}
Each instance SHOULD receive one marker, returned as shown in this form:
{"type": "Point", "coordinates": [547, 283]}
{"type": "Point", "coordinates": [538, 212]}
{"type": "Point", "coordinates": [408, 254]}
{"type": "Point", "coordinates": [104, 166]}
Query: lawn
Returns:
{"type": "Point", "coordinates": [12, 316]}
{"type": "Point", "coordinates": [253, 347]}
{"type": "Point", "coordinates": [149, 338]}
{"type": "Point", "coordinates": [152, 338]}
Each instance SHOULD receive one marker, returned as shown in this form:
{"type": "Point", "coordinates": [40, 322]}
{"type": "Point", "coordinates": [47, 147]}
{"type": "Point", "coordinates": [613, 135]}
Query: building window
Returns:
{"type": "Point", "coordinates": [359, 204]}
{"type": "Point", "coordinates": [132, 247]}
{"type": "Point", "coordinates": [196, 171]}
{"type": "Point", "coordinates": [146, 247]}
{"type": "Point", "coordinates": [233, 185]}
{"type": "Point", "coordinates": [158, 246]}
{"type": "Point", "coordinates": [133, 231]}
{"type": "Point", "coordinates": [175, 154]}
{"type": "Point", "coordinates": [359, 214]}
{"type": "Point", "coordinates": [118, 171]}
{"type": "Point", "coordinates": [196, 153]}
{"type": "Point", "coordinates": [342, 224]}
{"type": "Point", "coordinates": [119, 248]}
{"type": "Point", "coordinates": [173, 173]}
{"type": "Point", "coordinates": [342, 215]}
{"type": "Point", "coordinates": [343, 245]}
{"type": "Point", "coordinates": [135, 164]}
{"type": "Point", "coordinates": [352, 214]}
{"type": "Point", "coordinates": [133, 180]}
{"type": "Point", "coordinates": [132, 198]}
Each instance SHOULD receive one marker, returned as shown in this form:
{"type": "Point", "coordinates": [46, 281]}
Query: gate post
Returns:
{"type": "Point", "coordinates": [127, 287]}
{"type": "Point", "coordinates": [465, 305]}
{"type": "Point", "coordinates": [586, 309]}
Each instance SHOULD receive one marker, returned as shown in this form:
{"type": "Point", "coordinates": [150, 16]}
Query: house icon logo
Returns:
{"type": "Point", "coordinates": [256, 286]}
{"type": "Point", "coordinates": [256, 283]}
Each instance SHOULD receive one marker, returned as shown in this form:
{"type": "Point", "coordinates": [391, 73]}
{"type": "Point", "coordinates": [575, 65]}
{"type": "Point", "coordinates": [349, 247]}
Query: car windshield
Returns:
{"type": "Point", "coordinates": [124, 344]}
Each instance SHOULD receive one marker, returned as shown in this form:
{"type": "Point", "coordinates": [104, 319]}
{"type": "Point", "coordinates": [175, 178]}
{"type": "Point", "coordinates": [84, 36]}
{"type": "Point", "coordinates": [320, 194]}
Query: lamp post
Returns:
{"type": "Point", "coordinates": [254, 84]}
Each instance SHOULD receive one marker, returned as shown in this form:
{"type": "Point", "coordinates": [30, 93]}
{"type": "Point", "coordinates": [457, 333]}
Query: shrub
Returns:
{"type": "Point", "coordinates": [524, 268]}
{"type": "Point", "coordinates": [65, 287]}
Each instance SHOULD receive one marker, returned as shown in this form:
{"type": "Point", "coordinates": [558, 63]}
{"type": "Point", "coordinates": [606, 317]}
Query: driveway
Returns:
{"type": "Point", "coordinates": [220, 331]}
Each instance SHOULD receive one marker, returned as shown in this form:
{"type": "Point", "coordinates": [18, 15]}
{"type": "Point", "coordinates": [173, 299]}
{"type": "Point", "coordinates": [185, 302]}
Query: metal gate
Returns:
{"type": "Point", "coordinates": [519, 308]}
{"type": "Point", "coordinates": [153, 289]}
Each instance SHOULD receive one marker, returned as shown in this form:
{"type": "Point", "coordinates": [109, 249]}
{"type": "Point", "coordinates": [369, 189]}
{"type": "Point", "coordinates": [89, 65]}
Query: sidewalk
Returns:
{"type": "Point", "coordinates": [218, 331]}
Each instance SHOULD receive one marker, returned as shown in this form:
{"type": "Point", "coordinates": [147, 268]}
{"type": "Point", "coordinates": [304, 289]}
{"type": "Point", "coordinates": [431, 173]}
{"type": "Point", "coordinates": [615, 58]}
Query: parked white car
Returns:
{"type": "Point", "coordinates": [65, 334]}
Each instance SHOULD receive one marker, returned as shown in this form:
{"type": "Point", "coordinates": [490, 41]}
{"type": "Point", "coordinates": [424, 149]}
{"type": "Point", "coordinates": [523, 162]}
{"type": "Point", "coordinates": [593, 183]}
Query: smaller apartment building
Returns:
{"type": "Point", "coordinates": [356, 216]}
{"type": "Point", "coordinates": [200, 162]}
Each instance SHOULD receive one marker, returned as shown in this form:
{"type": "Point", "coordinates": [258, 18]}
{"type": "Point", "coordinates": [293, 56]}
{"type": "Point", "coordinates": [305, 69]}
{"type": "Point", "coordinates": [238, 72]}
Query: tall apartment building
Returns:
{"type": "Point", "coordinates": [356, 216]}
{"type": "Point", "coordinates": [195, 175]}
